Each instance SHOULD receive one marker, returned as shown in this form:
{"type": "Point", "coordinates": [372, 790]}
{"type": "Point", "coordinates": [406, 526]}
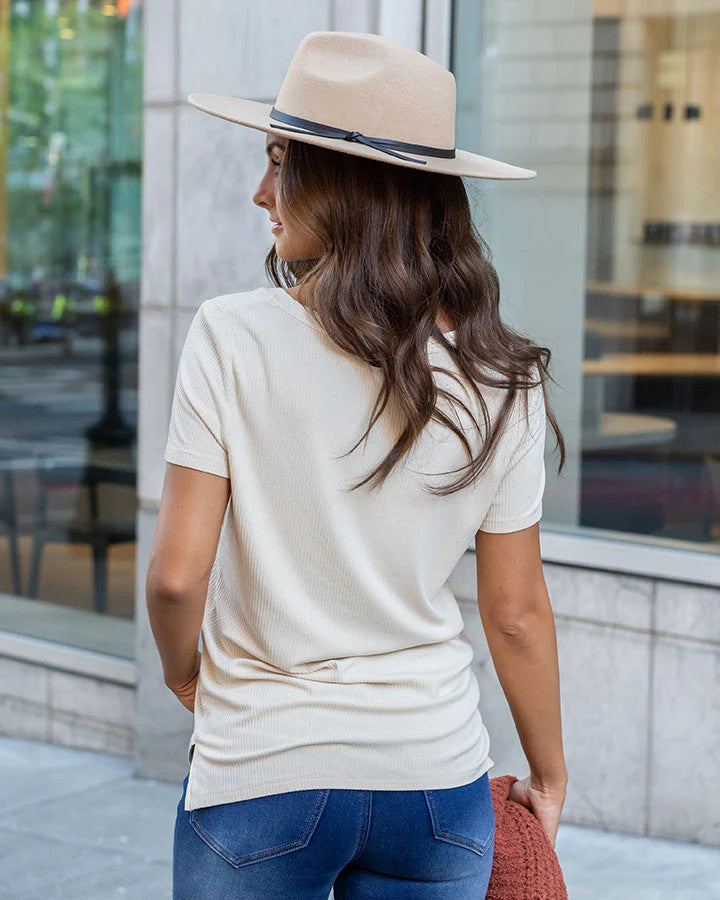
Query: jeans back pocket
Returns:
{"type": "Point", "coordinates": [463, 815]}
{"type": "Point", "coordinates": [248, 831]}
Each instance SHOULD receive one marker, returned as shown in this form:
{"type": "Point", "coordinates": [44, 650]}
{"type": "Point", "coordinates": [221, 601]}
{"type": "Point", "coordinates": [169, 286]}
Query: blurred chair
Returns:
{"type": "Point", "coordinates": [97, 533]}
{"type": "Point", "coordinates": [711, 512]}
{"type": "Point", "coordinates": [8, 518]}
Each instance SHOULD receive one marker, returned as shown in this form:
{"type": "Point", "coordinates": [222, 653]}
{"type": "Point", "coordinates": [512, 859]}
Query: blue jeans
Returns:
{"type": "Point", "coordinates": [365, 845]}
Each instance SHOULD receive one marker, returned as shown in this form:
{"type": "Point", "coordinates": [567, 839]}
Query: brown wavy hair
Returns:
{"type": "Point", "coordinates": [400, 246]}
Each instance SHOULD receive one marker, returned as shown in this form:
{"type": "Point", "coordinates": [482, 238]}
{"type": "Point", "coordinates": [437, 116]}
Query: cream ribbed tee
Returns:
{"type": "Point", "coordinates": [333, 650]}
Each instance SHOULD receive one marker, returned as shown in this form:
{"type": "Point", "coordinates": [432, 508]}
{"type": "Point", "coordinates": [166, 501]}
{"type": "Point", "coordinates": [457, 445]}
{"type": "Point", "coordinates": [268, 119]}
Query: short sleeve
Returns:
{"type": "Point", "coordinates": [517, 503]}
{"type": "Point", "coordinates": [196, 435]}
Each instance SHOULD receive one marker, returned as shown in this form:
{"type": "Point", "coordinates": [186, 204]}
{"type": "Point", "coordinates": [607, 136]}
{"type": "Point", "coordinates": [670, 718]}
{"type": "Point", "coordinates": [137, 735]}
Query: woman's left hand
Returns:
{"type": "Point", "coordinates": [186, 692]}
{"type": "Point", "coordinates": [544, 801]}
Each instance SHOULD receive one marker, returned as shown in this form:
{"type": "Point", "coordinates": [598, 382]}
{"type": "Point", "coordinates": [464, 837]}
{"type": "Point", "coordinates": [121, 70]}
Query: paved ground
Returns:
{"type": "Point", "coordinates": [77, 825]}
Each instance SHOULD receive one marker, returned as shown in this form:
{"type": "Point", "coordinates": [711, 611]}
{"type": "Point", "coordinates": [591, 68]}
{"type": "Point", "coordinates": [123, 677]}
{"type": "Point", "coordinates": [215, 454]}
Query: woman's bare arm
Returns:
{"type": "Point", "coordinates": [192, 508]}
{"type": "Point", "coordinates": [520, 628]}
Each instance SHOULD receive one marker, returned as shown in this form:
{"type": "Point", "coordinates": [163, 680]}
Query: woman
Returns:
{"type": "Point", "coordinates": [307, 528]}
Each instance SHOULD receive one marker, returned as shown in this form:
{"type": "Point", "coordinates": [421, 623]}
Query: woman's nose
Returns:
{"type": "Point", "coordinates": [264, 194]}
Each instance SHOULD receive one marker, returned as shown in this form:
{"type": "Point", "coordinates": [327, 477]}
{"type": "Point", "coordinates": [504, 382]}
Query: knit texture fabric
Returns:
{"type": "Point", "coordinates": [525, 866]}
{"type": "Point", "coordinates": [334, 650]}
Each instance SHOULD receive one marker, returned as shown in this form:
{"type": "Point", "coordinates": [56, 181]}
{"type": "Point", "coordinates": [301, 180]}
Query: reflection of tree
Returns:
{"type": "Point", "coordinates": [75, 108]}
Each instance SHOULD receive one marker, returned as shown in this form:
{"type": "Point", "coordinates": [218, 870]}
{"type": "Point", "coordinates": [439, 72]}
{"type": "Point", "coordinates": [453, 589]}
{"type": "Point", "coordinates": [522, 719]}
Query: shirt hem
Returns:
{"type": "Point", "coordinates": [514, 525]}
{"type": "Point", "coordinates": [195, 461]}
{"type": "Point", "coordinates": [335, 782]}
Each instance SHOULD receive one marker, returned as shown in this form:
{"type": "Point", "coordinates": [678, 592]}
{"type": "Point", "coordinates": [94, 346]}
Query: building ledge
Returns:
{"type": "Point", "coordinates": [68, 639]}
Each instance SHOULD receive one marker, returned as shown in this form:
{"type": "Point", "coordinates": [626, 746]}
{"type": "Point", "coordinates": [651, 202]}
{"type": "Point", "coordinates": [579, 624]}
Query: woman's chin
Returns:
{"type": "Point", "coordinates": [285, 255]}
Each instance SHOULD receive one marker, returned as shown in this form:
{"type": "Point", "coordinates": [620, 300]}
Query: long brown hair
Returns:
{"type": "Point", "coordinates": [399, 247]}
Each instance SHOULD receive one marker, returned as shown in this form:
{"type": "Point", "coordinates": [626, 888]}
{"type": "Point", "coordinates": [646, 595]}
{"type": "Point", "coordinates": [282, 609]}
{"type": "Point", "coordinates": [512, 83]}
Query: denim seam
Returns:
{"type": "Point", "coordinates": [366, 818]}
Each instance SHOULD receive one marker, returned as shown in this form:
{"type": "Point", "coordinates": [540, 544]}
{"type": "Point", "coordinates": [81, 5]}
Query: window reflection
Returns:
{"type": "Point", "coordinates": [616, 104]}
{"type": "Point", "coordinates": [652, 367]}
{"type": "Point", "coordinates": [70, 165]}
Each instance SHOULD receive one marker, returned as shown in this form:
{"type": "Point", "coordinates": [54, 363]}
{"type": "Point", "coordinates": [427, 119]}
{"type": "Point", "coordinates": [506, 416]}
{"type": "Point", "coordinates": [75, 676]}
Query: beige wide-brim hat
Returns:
{"type": "Point", "coordinates": [369, 96]}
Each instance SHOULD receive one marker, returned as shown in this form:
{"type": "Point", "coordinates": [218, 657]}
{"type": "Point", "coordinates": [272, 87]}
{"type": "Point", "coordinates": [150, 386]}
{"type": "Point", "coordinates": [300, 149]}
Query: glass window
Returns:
{"type": "Point", "coordinates": [70, 161]}
{"type": "Point", "coordinates": [611, 255]}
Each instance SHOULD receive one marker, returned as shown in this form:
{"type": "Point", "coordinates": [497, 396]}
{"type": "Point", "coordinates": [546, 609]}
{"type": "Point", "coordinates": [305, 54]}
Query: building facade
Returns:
{"type": "Point", "coordinates": [610, 258]}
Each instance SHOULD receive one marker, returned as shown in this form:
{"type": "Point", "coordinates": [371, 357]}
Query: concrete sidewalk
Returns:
{"type": "Point", "coordinates": [77, 825]}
